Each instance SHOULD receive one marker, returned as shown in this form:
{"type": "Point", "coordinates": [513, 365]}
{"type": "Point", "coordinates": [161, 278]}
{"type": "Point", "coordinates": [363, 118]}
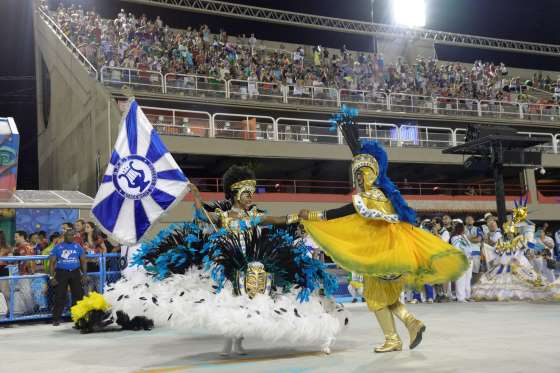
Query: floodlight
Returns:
{"type": "Point", "coordinates": [410, 13]}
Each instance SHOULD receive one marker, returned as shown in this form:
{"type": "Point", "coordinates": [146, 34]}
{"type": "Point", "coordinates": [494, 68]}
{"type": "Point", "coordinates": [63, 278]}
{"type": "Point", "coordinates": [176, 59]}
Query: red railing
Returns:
{"type": "Point", "coordinates": [549, 190]}
{"type": "Point", "coordinates": [344, 187]}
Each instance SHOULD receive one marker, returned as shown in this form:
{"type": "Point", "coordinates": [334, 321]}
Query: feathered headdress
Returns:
{"type": "Point", "coordinates": [288, 261]}
{"type": "Point", "coordinates": [345, 121]}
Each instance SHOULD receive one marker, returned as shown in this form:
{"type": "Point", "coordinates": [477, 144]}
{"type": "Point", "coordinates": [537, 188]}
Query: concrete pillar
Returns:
{"type": "Point", "coordinates": [530, 184]}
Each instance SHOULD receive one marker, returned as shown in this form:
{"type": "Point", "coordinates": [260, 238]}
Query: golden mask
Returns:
{"type": "Point", "coordinates": [369, 177]}
{"type": "Point", "coordinates": [366, 165]}
{"type": "Point", "coordinates": [244, 186]}
{"type": "Point", "coordinates": [256, 279]}
{"type": "Point", "coordinates": [509, 227]}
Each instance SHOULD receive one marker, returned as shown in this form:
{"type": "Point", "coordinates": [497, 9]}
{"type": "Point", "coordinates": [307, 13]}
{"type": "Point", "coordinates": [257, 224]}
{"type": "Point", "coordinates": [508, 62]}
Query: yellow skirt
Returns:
{"type": "Point", "coordinates": [388, 250]}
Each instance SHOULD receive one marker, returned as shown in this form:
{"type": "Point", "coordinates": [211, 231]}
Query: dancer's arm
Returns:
{"type": "Point", "coordinates": [328, 214]}
{"type": "Point", "coordinates": [280, 220]}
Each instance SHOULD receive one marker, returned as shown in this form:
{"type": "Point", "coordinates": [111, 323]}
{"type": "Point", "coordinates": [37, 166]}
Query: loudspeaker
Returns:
{"type": "Point", "coordinates": [477, 163]}
{"type": "Point", "coordinates": [522, 158]}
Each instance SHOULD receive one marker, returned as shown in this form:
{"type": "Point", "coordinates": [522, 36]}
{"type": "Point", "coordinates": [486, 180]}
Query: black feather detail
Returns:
{"type": "Point", "coordinates": [154, 300]}
{"type": "Point", "coordinates": [169, 318]}
{"type": "Point", "coordinates": [182, 293]}
{"type": "Point", "coordinates": [296, 312]}
{"type": "Point", "coordinates": [283, 309]}
{"type": "Point", "coordinates": [278, 312]}
{"type": "Point", "coordinates": [93, 321]}
{"type": "Point", "coordinates": [120, 297]}
{"type": "Point", "coordinates": [137, 323]}
{"type": "Point", "coordinates": [143, 298]}
{"type": "Point", "coordinates": [269, 247]}
{"type": "Point", "coordinates": [182, 248]}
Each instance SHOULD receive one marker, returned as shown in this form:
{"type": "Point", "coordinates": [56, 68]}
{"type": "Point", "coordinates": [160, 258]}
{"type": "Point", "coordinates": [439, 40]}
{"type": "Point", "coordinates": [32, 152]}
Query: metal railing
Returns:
{"type": "Point", "coordinates": [195, 85]}
{"type": "Point", "coordinates": [366, 100]}
{"type": "Point", "coordinates": [66, 41]}
{"type": "Point", "coordinates": [306, 130]}
{"type": "Point", "coordinates": [246, 127]}
{"type": "Point", "coordinates": [311, 95]}
{"type": "Point", "coordinates": [265, 128]}
{"type": "Point", "coordinates": [31, 297]}
{"type": "Point", "coordinates": [134, 78]}
{"type": "Point", "coordinates": [345, 187]}
{"type": "Point", "coordinates": [252, 90]}
{"type": "Point", "coordinates": [175, 122]}
{"type": "Point", "coordinates": [255, 90]}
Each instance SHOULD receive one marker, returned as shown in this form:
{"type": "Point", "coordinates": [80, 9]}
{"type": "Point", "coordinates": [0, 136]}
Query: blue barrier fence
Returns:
{"type": "Point", "coordinates": [31, 297]}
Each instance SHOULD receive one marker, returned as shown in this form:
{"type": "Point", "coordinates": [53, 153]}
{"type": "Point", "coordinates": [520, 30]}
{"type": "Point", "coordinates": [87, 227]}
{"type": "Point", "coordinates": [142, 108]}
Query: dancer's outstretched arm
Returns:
{"type": "Point", "coordinates": [280, 220]}
{"type": "Point", "coordinates": [328, 214]}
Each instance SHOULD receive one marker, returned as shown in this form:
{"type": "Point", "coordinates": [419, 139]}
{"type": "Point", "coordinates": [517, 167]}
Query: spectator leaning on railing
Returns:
{"type": "Point", "coordinates": [67, 263]}
{"type": "Point", "coordinates": [23, 248]}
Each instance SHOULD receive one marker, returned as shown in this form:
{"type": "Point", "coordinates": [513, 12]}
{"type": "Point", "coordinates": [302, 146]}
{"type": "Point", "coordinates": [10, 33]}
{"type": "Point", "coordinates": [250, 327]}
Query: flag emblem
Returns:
{"type": "Point", "coordinates": [141, 183]}
{"type": "Point", "coordinates": [134, 177]}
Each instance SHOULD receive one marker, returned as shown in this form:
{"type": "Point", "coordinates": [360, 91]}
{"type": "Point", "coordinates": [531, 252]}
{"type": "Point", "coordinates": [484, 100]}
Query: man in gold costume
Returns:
{"type": "Point", "coordinates": [375, 236]}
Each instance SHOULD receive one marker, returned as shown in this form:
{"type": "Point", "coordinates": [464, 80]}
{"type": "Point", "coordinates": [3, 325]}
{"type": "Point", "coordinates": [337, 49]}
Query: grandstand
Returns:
{"type": "Point", "coordinates": [218, 99]}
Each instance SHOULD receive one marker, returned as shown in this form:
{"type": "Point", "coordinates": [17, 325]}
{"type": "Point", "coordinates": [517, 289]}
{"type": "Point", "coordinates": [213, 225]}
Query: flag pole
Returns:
{"type": "Point", "coordinates": [206, 213]}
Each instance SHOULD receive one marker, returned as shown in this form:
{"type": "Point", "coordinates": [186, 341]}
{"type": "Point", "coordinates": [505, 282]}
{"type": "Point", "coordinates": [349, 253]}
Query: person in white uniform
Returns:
{"type": "Point", "coordinates": [460, 240]}
{"type": "Point", "coordinates": [356, 287]}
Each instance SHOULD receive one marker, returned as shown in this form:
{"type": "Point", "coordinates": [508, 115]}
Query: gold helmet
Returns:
{"type": "Point", "coordinates": [364, 160]}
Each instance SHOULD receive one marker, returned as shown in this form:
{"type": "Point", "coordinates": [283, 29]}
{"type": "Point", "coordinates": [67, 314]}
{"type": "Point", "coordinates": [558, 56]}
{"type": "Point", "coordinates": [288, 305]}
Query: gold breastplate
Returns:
{"type": "Point", "coordinates": [373, 204]}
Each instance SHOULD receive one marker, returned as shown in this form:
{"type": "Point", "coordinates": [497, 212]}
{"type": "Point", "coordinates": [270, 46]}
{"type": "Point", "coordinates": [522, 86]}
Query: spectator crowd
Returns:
{"type": "Point", "coordinates": [30, 292]}
{"type": "Point", "coordinates": [136, 42]}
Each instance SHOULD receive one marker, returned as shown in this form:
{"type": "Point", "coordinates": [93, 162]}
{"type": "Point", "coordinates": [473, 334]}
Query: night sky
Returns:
{"type": "Point", "coordinates": [510, 19]}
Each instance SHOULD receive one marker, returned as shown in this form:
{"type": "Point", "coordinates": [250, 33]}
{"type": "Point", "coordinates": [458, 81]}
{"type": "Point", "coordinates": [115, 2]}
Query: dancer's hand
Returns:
{"type": "Point", "coordinates": [304, 214]}
{"type": "Point", "coordinates": [196, 195]}
{"type": "Point", "coordinates": [194, 190]}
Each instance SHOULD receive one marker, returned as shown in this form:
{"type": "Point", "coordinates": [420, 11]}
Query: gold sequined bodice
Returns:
{"type": "Point", "coordinates": [373, 204]}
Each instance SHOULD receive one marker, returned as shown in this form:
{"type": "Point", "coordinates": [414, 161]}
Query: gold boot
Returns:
{"type": "Point", "coordinates": [415, 327]}
{"type": "Point", "coordinates": [387, 324]}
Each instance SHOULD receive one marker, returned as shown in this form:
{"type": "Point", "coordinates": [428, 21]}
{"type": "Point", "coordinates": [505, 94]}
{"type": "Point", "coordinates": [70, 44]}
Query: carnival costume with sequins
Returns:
{"type": "Point", "coordinates": [375, 236]}
{"type": "Point", "coordinates": [239, 279]}
{"type": "Point", "coordinates": [510, 275]}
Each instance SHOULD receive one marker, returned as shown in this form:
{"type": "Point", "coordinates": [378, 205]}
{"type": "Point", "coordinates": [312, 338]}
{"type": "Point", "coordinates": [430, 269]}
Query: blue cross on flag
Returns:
{"type": "Point", "coordinates": [141, 183]}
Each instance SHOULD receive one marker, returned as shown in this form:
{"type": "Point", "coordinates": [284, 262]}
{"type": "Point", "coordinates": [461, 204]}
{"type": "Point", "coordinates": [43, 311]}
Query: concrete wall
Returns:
{"type": "Point", "coordinates": [78, 122]}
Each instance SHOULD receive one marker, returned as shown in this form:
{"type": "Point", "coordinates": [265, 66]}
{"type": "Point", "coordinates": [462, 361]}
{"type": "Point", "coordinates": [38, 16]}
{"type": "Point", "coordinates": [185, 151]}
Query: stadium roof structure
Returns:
{"type": "Point", "coordinates": [259, 14]}
{"type": "Point", "coordinates": [46, 199]}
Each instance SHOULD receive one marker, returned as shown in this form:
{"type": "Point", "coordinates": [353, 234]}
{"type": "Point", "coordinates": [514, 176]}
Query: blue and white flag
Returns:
{"type": "Point", "coordinates": [141, 183]}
